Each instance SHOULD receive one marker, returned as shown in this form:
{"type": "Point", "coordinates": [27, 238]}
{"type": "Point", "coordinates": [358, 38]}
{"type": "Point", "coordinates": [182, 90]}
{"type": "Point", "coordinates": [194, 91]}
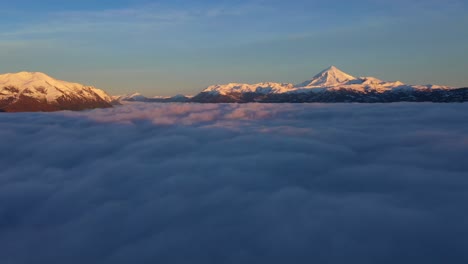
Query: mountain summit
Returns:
{"type": "Point", "coordinates": [329, 77]}
{"type": "Point", "coordinates": [36, 91]}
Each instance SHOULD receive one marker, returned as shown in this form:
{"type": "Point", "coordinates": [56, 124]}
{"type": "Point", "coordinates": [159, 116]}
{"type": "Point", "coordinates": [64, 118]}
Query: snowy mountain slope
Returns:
{"type": "Point", "coordinates": [35, 91]}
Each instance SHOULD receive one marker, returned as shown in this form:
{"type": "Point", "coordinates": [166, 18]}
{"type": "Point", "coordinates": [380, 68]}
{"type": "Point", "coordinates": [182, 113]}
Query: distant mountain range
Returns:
{"type": "Point", "coordinates": [137, 97]}
{"type": "Point", "coordinates": [35, 91]}
{"type": "Point", "coordinates": [331, 85]}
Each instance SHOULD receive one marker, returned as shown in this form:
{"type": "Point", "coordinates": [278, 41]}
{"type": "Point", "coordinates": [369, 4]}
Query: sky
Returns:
{"type": "Point", "coordinates": [236, 183]}
{"type": "Point", "coordinates": [181, 46]}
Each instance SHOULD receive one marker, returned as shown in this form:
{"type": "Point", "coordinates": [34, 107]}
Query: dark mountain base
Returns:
{"type": "Point", "coordinates": [27, 104]}
{"type": "Point", "coordinates": [340, 96]}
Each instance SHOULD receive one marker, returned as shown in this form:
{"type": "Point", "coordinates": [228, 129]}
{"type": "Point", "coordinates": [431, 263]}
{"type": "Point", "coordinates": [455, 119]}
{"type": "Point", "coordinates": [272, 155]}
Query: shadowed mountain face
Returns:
{"type": "Point", "coordinates": [37, 92]}
{"type": "Point", "coordinates": [331, 85]}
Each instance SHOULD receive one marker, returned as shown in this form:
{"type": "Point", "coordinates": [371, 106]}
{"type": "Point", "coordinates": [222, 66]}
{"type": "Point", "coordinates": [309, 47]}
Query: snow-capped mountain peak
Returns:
{"type": "Point", "coordinates": [39, 85]}
{"type": "Point", "coordinates": [329, 77]}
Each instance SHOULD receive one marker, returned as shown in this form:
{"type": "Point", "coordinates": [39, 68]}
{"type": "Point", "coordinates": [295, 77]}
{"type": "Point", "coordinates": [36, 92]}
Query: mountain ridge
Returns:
{"type": "Point", "coordinates": [328, 79]}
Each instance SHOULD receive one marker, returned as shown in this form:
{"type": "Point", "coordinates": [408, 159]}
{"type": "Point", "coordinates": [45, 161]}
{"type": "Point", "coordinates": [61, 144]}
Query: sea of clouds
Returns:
{"type": "Point", "coordinates": [232, 183]}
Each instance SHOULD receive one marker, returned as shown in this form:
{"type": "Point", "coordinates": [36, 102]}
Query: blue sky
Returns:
{"type": "Point", "coordinates": [181, 46]}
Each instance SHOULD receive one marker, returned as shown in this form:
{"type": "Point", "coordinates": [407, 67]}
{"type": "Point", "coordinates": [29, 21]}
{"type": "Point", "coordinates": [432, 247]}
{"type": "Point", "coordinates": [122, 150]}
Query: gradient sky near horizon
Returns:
{"type": "Point", "coordinates": [181, 46]}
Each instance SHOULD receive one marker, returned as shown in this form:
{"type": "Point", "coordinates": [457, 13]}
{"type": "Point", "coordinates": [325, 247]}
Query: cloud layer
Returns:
{"type": "Point", "coordinates": [254, 183]}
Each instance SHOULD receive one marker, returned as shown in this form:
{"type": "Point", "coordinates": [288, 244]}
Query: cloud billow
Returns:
{"type": "Point", "coordinates": [253, 183]}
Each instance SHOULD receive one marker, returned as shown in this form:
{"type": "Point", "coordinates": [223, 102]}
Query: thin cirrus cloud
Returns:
{"type": "Point", "coordinates": [144, 17]}
{"type": "Point", "coordinates": [250, 183]}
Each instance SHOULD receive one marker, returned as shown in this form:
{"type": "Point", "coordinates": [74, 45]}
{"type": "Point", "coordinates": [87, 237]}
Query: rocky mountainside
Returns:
{"type": "Point", "coordinates": [331, 85]}
{"type": "Point", "coordinates": [35, 91]}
